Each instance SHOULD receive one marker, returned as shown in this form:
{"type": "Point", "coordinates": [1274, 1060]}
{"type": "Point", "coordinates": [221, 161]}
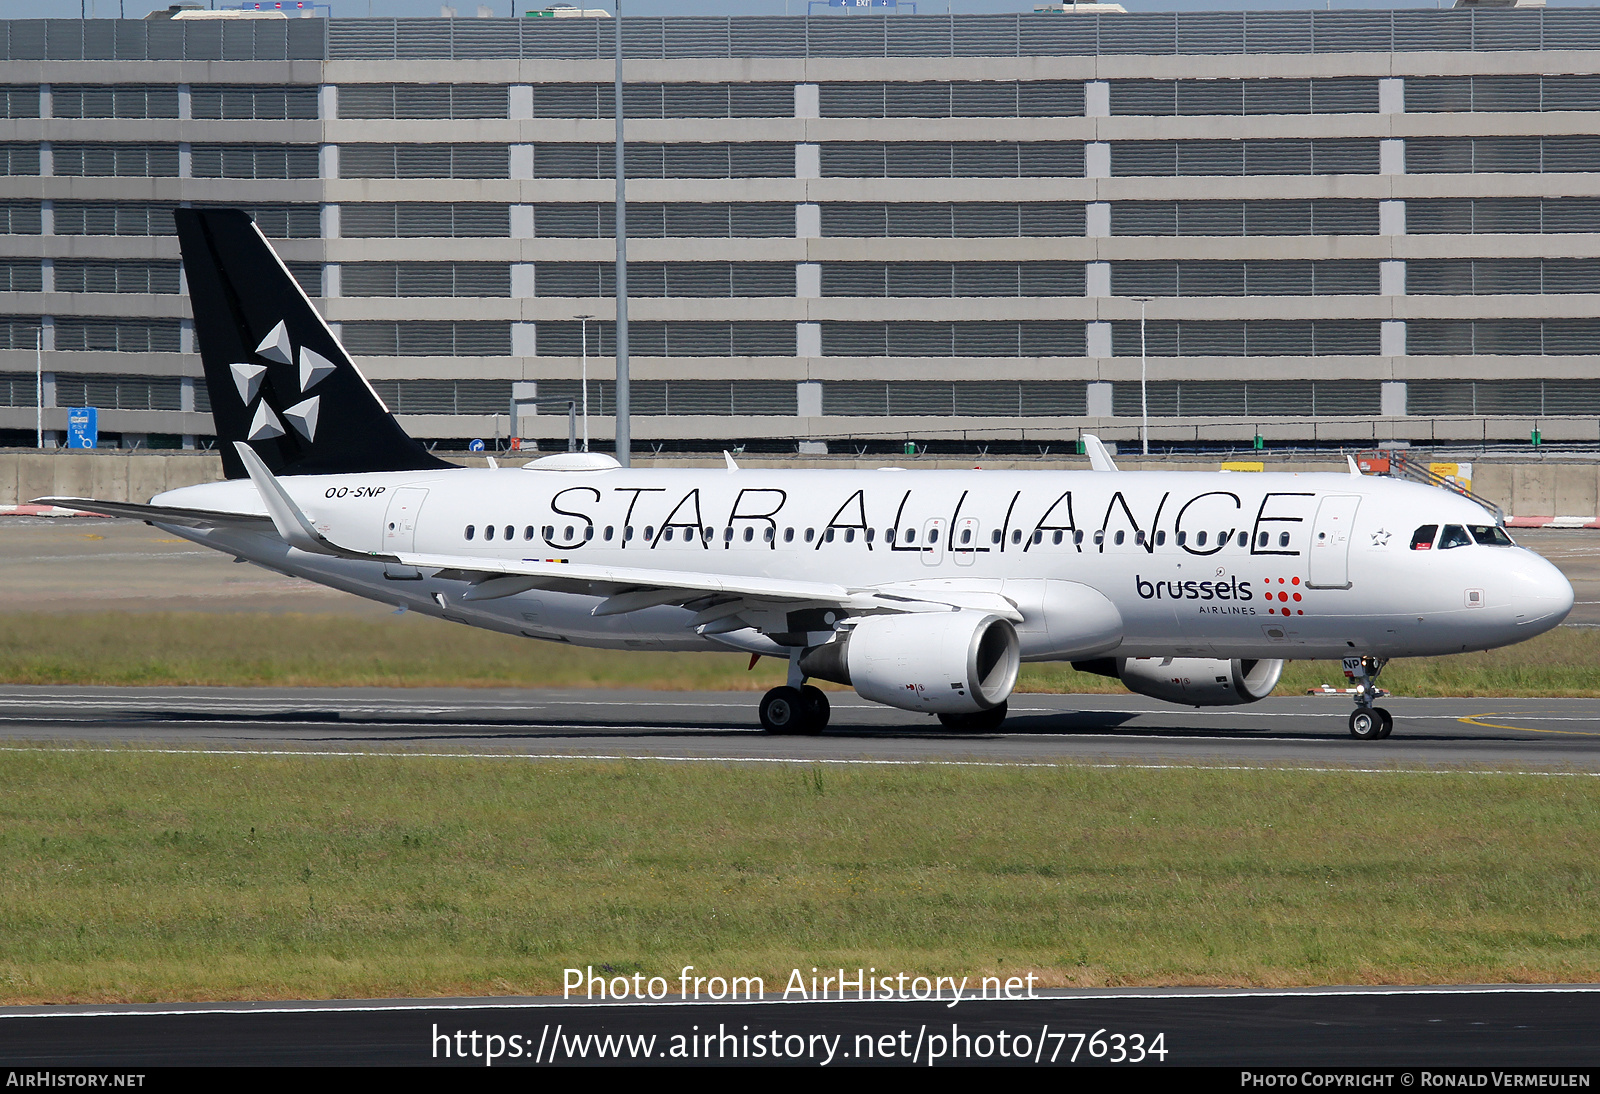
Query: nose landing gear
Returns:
{"type": "Point", "coordinates": [1367, 722]}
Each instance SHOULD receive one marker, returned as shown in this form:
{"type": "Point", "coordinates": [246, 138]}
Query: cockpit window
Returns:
{"type": "Point", "coordinates": [1453, 536]}
{"type": "Point", "coordinates": [1422, 538]}
{"type": "Point", "coordinates": [1490, 535]}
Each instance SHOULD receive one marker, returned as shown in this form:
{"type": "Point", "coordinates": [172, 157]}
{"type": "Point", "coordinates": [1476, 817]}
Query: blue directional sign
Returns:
{"type": "Point", "coordinates": [475, 446]}
{"type": "Point", "coordinates": [83, 427]}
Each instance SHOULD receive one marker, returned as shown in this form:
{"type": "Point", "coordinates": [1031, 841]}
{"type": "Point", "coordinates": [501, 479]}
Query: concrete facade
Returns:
{"type": "Point", "coordinates": [1482, 353]}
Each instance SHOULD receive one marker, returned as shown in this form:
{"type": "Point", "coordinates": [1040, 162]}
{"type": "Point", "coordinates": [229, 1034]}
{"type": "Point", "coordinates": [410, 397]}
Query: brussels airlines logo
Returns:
{"type": "Point", "coordinates": [1231, 589]}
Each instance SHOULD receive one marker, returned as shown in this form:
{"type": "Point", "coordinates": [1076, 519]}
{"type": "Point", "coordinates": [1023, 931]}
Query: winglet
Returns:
{"type": "Point", "coordinates": [1354, 470]}
{"type": "Point", "coordinates": [291, 523]}
{"type": "Point", "coordinates": [729, 457]}
{"type": "Point", "coordinates": [1099, 458]}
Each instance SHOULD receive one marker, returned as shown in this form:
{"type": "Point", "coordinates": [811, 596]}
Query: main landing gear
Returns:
{"type": "Point", "coordinates": [1367, 722]}
{"type": "Point", "coordinates": [794, 710]}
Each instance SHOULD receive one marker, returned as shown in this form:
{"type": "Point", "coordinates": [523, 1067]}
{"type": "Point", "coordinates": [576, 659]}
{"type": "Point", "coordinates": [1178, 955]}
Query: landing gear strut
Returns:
{"type": "Point", "coordinates": [1367, 722]}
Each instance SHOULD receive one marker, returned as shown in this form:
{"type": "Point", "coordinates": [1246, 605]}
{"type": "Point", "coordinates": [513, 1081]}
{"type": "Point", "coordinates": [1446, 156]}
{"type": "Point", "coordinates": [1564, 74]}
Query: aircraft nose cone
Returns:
{"type": "Point", "coordinates": [1541, 594]}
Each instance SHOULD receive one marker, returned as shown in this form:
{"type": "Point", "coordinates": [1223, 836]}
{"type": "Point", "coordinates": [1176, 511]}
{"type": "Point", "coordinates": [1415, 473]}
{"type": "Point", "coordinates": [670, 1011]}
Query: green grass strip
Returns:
{"type": "Point", "coordinates": [141, 876]}
{"type": "Point", "coordinates": [292, 650]}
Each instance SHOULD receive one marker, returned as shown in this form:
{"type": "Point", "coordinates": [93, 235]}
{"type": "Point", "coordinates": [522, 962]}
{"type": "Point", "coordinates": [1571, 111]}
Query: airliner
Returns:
{"type": "Point", "coordinates": [922, 590]}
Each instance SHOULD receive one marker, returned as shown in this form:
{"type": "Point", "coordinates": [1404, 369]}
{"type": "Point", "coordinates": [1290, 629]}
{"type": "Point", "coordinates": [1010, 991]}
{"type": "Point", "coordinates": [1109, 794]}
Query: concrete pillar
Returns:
{"type": "Point", "coordinates": [1391, 95]}
{"type": "Point", "coordinates": [46, 102]}
{"type": "Point", "coordinates": [47, 328]}
{"type": "Point", "coordinates": [808, 399]}
{"type": "Point", "coordinates": [327, 101]}
{"type": "Point", "coordinates": [1097, 160]}
{"type": "Point", "coordinates": [185, 103]}
{"type": "Point", "coordinates": [807, 101]}
{"type": "Point", "coordinates": [186, 394]}
{"type": "Point", "coordinates": [1392, 278]}
{"type": "Point", "coordinates": [1392, 338]}
{"type": "Point", "coordinates": [522, 285]}
{"type": "Point", "coordinates": [47, 160]}
{"type": "Point", "coordinates": [1097, 220]}
{"type": "Point", "coordinates": [1097, 279]}
{"type": "Point", "coordinates": [808, 339]}
{"type": "Point", "coordinates": [522, 222]}
{"type": "Point", "coordinates": [186, 336]}
{"type": "Point", "coordinates": [330, 222]}
{"type": "Point", "coordinates": [1391, 157]}
{"type": "Point", "coordinates": [1097, 99]}
{"type": "Point", "coordinates": [808, 221]}
{"type": "Point", "coordinates": [522, 161]}
{"type": "Point", "coordinates": [807, 161]}
{"type": "Point", "coordinates": [521, 102]}
{"type": "Point", "coordinates": [47, 217]}
{"type": "Point", "coordinates": [1392, 399]}
{"type": "Point", "coordinates": [1097, 340]}
{"type": "Point", "coordinates": [47, 275]}
{"type": "Point", "coordinates": [328, 161]}
{"type": "Point", "coordinates": [332, 280]}
{"type": "Point", "coordinates": [523, 343]}
{"type": "Point", "coordinates": [185, 160]}
{"type": "Point", "coordinates": [1098, 399]}
{"type": "Point", "coordinates": [1392, 218]}
{"type": "Point", "coordinates": [808, 280]}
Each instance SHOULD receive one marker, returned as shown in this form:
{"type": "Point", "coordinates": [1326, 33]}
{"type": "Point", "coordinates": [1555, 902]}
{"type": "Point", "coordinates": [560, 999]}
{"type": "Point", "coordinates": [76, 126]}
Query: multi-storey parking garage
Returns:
{"type": "Point", "coordinates": [1340, 227]}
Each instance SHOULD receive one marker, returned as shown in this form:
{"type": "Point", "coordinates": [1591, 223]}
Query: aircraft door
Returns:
{"type": "Point", "coordinates": [933, 537]}
{"type": "Point", "coordinates": [1329, 564]}
{"type": "Point", "coordinates": [400, 530]}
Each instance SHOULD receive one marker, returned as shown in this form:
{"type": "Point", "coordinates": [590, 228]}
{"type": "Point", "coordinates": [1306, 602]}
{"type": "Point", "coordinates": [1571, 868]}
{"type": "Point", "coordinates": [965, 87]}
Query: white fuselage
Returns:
{"type": "Point", "coordinates": [1207, 565]}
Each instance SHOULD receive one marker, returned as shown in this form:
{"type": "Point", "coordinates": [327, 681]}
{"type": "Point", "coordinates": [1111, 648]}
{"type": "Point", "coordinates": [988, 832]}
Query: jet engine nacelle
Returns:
{"type": "Point", "coordinates": [956, 662]}
{"type": "Point", "coordinates": [1200, 681]}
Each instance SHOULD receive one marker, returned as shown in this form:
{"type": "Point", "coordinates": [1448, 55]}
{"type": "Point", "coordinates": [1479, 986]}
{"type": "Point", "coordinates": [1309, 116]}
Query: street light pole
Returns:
{"type": "Point", "coordinates": [38, 384]}
{"type": "Point", "coordinates": [1144, 400]}
{"type": "Point", "coordinates": [621, 400]}
{"type": "Point", "coordinates": [584, 321]}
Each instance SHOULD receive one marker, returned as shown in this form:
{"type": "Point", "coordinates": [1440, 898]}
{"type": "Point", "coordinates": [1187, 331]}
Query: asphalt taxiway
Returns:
{"type": "Point", "coordinates": [1557, 735]}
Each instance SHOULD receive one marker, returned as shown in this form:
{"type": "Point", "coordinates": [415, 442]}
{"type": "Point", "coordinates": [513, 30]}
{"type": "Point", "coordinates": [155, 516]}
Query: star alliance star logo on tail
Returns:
{"type": "Point", "coordinates": [302, 416]}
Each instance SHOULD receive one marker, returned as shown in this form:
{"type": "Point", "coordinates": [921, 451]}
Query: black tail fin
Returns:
{"type": "Point", "coordinates": [277, 376]}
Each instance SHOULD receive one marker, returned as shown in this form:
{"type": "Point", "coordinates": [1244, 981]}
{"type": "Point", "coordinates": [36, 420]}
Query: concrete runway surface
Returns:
{"type": "Point", "coordinates": [1550, 1029]}
{"type": "Point", "coordinates": [1548, 735]}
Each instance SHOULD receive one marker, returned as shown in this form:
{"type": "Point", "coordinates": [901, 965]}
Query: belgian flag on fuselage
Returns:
{"type": "Point", "coordinates": [278, 378]}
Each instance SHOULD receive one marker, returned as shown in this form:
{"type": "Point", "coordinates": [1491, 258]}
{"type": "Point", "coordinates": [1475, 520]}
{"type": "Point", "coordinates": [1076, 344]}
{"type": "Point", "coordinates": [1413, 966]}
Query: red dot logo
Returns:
{"type": "Point", "coordinates": [1295, 581]}
{"type": "Point", "coordinates": [1297, 596]}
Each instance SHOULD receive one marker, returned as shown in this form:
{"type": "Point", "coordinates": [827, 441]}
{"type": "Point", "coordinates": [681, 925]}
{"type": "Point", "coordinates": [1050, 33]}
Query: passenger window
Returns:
{"type": "Point", "coordinates": [1200, 539]}
{"type": "Point", "coordinates": [1100, 538]}
{"type": "Point", "coordinates": [933, 535]}
{"type": "Point", "coordinates": [609, 530]}
{"type": "Point", "coordinates": [471, 531]}
{"type": "Point", "coordinates": [849, 535]}
{"type": "Point", "coordinates": [769, 534]}
{"type": "Point", "coordinates": [1183, 538]}
{"type": "Point", "coordinates": [1453, 536]}
{"type": "Point", "coordinates": [749, 533]}
{"type": "Point", "coordinates": [1016, 536]}
{"type": "Point", "coordinates": [1055, 539]}
{"type": "Point", "coordinates": [1038, 536]}
{"type": "Point", "coordinates": [1077, 537]}
{"type": "Point", "coordinates": [511, 532]}
{"type": "Point", "coordinates": [627, 533]}
{"type": "Point", "coordinates": [1244, 539]}
{"type": "Point", "coordinates": [488, 531]}
{"type": "Point", "coordinates": [1120, 537]}
{"type": "Point", "coordinates": [870, 533]}
{"type": "Point", "coordinates": [1283, 539]}
{"type": "Point", "coordinates": [588, 531]}
{"type": "Point", "coordinates": [811, 533]}
{"type": "Point", "coordinates": [788, 535]}
{"type": "Point", "coordinates": [649, 531]}
{"type": "Point", "coordinates": [1222, 539]}
{"type": "Point", "coordinates": [827, 535]}
{"type": "Point", "coordinates": [527, 533]}
{"type": "Point", "coordinates": [666, 534]}
{"type": "Point", "coordinates": [1261, 540]}
{"type": "Point", "coordinates": [1422, 538]}
{"type": "Point", "coordinates": [1161, 539]}
{"type": "Point", "coordinates": [568, 533]}
{"type": "Point", "coordinates": [911, 535]}
{"type": "Point", "coordinates": [1490, 535]}
{"type": "Point", "coordinates": [966, 535]}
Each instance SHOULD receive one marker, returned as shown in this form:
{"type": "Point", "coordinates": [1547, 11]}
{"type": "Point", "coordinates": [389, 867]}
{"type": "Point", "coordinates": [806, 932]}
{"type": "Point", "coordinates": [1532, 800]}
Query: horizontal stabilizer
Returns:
{"type": "Point", "coordinates": [159, 514]}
